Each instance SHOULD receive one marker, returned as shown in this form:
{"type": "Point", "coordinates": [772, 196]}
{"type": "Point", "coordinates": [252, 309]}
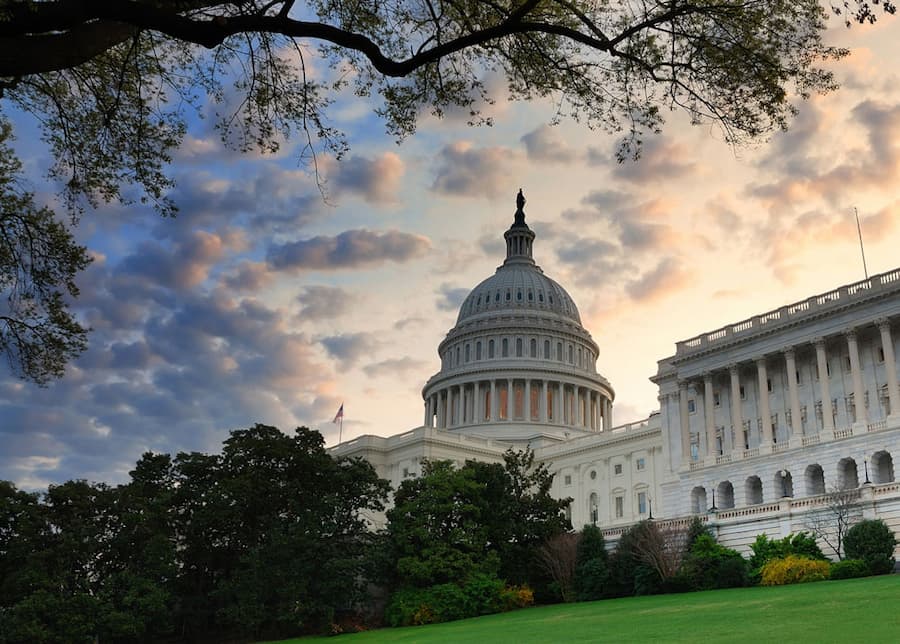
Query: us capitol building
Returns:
{"type": "Point", "coordinates": [758, 421]}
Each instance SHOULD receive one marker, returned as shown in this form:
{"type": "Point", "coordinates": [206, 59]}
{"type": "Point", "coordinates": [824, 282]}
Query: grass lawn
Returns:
{"type": "Point", "coordinates": [853, 610]}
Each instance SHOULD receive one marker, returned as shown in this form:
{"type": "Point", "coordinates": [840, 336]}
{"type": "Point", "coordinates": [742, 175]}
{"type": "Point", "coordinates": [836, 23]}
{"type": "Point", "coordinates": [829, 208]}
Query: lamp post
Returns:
{"type": "Point", "coordinates": [866, 465]}
{"type": "Point", "coordinates": [783, 474]}
{"type": "Point", "coordinates": [713, 507]}
{"type": "Point", "coordinates": [650, 507]}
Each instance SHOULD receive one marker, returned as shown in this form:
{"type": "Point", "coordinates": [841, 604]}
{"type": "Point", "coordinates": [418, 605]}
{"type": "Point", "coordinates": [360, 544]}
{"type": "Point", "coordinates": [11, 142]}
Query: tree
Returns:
{"type": "Point", "coordinates": [38, 263]}
{"type": "Point", "coordinates": [873, 542]}
{"type": "Point", "coordinates": [592, 565]}
{"type": "Point", "coordinates": [559, 558]}
{"type": "Point", "coordinates": [831, 522]}
{"type": "Point", "coordinates": [111, 82]}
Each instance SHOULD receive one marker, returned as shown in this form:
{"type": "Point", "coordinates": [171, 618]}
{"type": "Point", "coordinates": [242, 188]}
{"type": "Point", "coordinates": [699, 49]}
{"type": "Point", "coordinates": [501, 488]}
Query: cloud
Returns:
{"type": "Point", "coordinates": [396, 367]}
{"type": "Point", "coordinates": [348, 348]}
{"type": "Point", "coordinates": [349, 250]}
{"type": "Point", "coordinates": [248, 276]}
{"type": "Point", "coordinates": [463, 170]}
{"type": "Point", "coordinates": [451, 297]}
{"type": "Point", "coordinates": [323, 302]}
{"type": "Point", "coordinates": [660, 160]}
{"type": "Point", "coordinates": [376, 180]}
{"type": "Point", "coordinates": [668, 277]}
{"type": "Point", "coordinates": [183, 265]}
{"type": "Point", "coordinates": [545, 145]}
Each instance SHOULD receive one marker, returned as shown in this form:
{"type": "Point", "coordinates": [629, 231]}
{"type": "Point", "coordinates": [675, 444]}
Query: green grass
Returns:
{"type": "Point", "coordinates": [853, 610]}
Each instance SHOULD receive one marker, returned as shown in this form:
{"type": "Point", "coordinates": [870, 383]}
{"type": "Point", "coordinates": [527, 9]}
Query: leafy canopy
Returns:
{"type": "Point", "coordinates": [112, 83]}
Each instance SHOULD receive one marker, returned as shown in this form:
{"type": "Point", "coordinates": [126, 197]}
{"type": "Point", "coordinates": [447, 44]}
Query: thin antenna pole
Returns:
{"type": "Point", "coordinates": [861, 249]}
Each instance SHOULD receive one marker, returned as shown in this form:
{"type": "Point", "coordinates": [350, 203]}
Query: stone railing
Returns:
{"type": "Point", "coordinates": [790, 313]}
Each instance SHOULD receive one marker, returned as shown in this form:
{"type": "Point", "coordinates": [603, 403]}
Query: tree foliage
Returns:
{"type": "Point", "coordinates": [264, 540]}
{"type": "Point", "coordinates": [873, 542]}
{"type": "Point", "coordinates": [112, 83]}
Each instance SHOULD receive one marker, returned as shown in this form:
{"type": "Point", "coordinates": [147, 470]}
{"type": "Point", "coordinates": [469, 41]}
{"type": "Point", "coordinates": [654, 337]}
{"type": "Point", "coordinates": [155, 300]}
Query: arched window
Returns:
{"type": "Point", "coordinates": [848, 478]}
{"type": "Point", "coordinates": [559, 351]}
{"type": "Point", "coordinates": [490, 348]}
{"type": "Point", "coordinates": [753, 490]}
{"type": "Point", "coordinates": [698, 500]}
{"type": "Point", "coordinates": [784, 483]}
{"type": "Point", "coordinates": [457, 356]}
{"type": "Point", "coordinates": [546, 349]}
{"type": "Point", "coordinates": [467, 352]}
{"type": "Point", "coordinates": [571, 355]}
{"type": "Point", "coordinates": [505, 351]}
{"type": "Point", "coordinates": [478, 350]}
{"type": "Point", "coordinates": [815, 480]}
{"type": "Point", "coordinates": [725, 495]}
{"type": "Point", "coordinates": [882, 467]}
{"type": "Point", "coordinates": [533, 348]}
{"type": "Point", "coordinates": [518, 347]}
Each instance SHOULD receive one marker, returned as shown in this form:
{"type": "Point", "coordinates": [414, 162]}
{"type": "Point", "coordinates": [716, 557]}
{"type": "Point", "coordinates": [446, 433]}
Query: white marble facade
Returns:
{"type": "Point", "coordinates": [749, 433]}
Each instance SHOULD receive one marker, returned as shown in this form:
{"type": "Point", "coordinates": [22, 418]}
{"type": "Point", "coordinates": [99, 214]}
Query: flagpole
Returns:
{"type": "Point", "coordinates": [341, 430]}
{"type": "Point", "coordinates": [861, 249]}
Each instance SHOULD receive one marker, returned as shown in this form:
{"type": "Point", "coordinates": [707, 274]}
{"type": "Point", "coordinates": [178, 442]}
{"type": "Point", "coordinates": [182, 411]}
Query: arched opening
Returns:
{"type": "Point", "coordinates": [848, 478]}
{"type": "Point", "coordinates": [784, 483]}
{"type": "Point", "coordinates": [593, 509]}
{"type": "Point", "coordinates": [753, 490]}
{"type": "Point", "coordinates": [815, 480]}
{"type": "Point", "coordinates": [698, 500]}
{"type": "Point", "coordinates": [882, 467]}
{"type": "Point", "coordinates": [725, 495]}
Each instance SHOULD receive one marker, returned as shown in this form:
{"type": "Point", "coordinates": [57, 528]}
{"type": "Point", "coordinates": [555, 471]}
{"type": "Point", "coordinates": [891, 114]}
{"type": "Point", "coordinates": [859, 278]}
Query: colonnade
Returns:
{"type": "Point", "coordinates": [718, 442]}
{"type": "Point", "coordinates": [518, 399]}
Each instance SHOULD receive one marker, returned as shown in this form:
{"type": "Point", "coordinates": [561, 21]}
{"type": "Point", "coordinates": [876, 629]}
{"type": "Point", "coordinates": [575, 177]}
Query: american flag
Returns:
{"type": "Point", "coordinates": [339, 415]}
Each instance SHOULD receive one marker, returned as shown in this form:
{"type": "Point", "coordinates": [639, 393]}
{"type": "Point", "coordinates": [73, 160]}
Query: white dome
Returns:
{"type": "Point", "coordinates": [514, 287]}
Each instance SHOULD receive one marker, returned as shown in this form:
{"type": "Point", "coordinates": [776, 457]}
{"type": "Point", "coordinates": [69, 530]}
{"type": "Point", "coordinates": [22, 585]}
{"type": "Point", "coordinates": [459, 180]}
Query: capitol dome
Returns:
{"type": "Point", "coordinates": [518, 356]}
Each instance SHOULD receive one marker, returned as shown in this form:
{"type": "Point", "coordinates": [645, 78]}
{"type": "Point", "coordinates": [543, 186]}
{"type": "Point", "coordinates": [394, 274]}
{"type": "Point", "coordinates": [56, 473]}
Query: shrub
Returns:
{"type": "Point", "coordinates": [513, 597]}
{"type": "Point", "coordinates": [765, 550]}
{"type": "Point", "coordinates": [710, 565]}
{"type": "Point", "coordinates": [873, 542]}
{"type": "Point", "coordinates": [849, 569]}
{"type": "Point", "coordinates": [794, 569]}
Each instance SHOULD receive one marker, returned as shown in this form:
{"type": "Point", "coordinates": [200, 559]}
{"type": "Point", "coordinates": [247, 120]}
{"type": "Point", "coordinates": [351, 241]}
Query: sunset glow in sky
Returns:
{"type": "Point", "coordinates": [263, 303]}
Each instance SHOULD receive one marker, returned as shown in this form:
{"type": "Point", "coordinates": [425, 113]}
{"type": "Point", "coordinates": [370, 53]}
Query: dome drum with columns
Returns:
{"type": "Point", "coordinates": [518, 356]}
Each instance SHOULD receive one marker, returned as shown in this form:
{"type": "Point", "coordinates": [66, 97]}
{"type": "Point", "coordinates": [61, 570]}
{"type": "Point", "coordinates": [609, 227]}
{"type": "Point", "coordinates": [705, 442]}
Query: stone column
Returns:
{"type": "Point", "coordinates": [763, 403]}
{"type": "Point", "coordinates": [859, 393]}
{"type": "Point", "coordinates": [560, 404]}
{"type": "Point", "coordinates": [543, 402]}
{"type": "Point", "coordinates": [824, 389]}
{"type": "Point", "coordinates": [495, 404]}
{"type": "Point", "coordinates": [609, 415]}
{"type": "Point", "coordinates": [685, 422]}
{"type": "Point", "coordinates": [510, 404]}
{"type": "Point", "coordinates": [527, 394]}
{"type": "Point", "coordinates": [458, 402]}
{"type": "Point", "coordinates": [709, 414]}
{"type": "Point", "coordinates": [440, 410]}
{"type": "Point", "coordinates": [737, 417]}
{"type": "Point", "coordinates": [890, 367]}
{"type": "Point", "coordinates": [790, 366]}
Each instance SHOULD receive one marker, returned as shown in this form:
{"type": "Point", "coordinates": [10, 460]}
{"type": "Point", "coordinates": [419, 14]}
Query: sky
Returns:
{"type": "Point", "coordinates": [264, 303]}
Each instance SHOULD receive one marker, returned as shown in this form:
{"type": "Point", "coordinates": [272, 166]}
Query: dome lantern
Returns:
{"type": "Point", "coordinates": [519, 237]}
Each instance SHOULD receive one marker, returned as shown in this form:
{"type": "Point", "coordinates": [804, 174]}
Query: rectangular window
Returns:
{"type": "Point", "coordinates": [692, 406]}
{"type": "Point", "coordinates": [617, 468]}
{"type": "Point", "coordinates": [642, 503]}
{"type": "Point", "coordinates": [717, 399]}
{"type": "Point", "coordinates": [641, 463]}
{"type": "Point", "coordinates": [568, 479]}
{"type": "Point", "coordinates": [620, 507]}
{"type": "Point", "coordinates": [743, 393]}
{"type": "Point", "coordinates": [769, 384]}
{"type": "Point", "coordinates": [797, 376]}
{"type": "Point", "coordinates": [880, 354]}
